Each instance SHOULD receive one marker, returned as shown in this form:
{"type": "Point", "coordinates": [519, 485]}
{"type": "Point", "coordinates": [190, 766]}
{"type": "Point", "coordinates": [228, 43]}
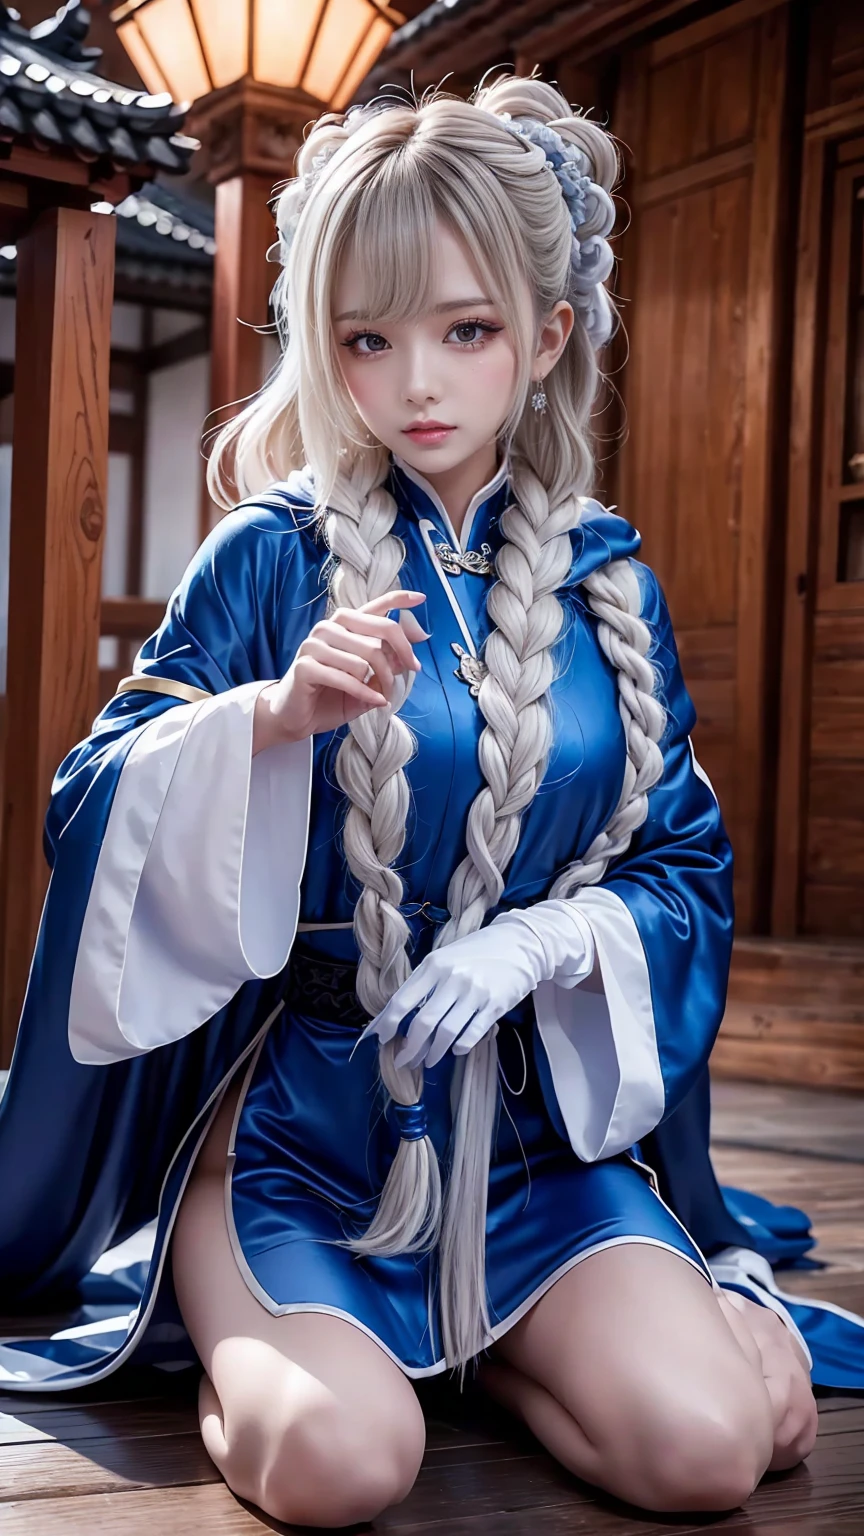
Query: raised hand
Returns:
{"type": "Point", "coordinates": [346, 665]}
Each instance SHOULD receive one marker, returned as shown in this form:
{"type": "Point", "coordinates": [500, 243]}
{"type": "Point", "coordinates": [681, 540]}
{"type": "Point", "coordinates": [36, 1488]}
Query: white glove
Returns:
{"type": "Point", "coordinates": [462, 990]}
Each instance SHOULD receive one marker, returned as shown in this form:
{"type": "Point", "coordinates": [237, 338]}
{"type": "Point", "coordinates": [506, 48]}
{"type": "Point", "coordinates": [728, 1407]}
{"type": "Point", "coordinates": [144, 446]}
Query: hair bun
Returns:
{"type": "Point", "coordinates": [516, 97]}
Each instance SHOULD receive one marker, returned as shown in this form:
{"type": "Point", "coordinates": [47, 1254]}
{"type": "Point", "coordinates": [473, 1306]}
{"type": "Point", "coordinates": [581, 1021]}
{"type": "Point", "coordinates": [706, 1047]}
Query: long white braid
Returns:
{"type": "Point", "coordinates": [370, 770]}
{"type": "Point", "coordinates": [613, 593]}
{"type": "Point", "coordinates": [513, 750]}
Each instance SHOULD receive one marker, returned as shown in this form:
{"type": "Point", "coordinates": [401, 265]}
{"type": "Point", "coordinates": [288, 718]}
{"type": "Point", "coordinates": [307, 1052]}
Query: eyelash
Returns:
{"type": "Point", "coordinates": [350, 342]}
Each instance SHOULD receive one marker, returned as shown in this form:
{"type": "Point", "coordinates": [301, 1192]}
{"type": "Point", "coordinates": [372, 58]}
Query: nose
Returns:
{"type": "Point", "coordinates": [421, 383]}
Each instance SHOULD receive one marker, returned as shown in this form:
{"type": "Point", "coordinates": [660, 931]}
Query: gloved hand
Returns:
{"type": "Point", "coordinates": [462, 990]}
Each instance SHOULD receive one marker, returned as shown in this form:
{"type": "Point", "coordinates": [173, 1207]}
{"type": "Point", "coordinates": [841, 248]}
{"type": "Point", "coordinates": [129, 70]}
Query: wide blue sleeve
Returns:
{"type": "Point", "coordinates": [227, 624]}
{"type": "Point", "coordinates": [617, 1062]}
{"type": "Point", "coordinates": [676, 878]}
{"type": "Point", "coordinates": [85, 1148]}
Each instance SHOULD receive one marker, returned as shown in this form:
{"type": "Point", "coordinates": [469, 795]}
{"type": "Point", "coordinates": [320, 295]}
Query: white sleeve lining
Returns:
{"type": "Point", "coordinates": [197, 885]}
{"type": "Point", "coordinates": [602, 1046]}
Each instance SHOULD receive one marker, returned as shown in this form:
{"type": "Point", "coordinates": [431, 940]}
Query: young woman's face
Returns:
{"type": "Point", "coordinates": [453, 370]}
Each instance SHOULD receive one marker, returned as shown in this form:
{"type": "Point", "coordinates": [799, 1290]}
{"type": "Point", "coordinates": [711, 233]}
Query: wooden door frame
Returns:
{"type": "Point", "coordinates": [825, 134]}
{"type": "Point", "coordinates": [758, 637]}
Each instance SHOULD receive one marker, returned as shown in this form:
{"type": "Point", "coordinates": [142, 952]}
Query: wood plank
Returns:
{"type": "Point", "coordinates": [831, 1192]}
{"type": "Point", "coordinates": [758, 639]}
{"type": "Point", "coordinates": [837, 121]}
{"type": "Point", "coordinates": [795, 1013]}
{"type": "Point", "coordinates": [841, 679]}
{"type": "Point", "coordinates": [836, 376]}
{"type": "Point", "coordinates": [696, 176]}
{"type": "Point", "coordinates": [781, 1045]}
{"type": "Point", "coordinates": [781, 1118]}
{"type": "Point", "coordinates": [835, 852]}
{"type": "Point", "coordinates": [706, 651]}
{"type": "Point", "coordinates": [51, 1470]}
{"type": "Point", "coordinates": [837, 637]}
{"type": "Point", "coordinates": [830, 909]}
{"type": "Point", "coordinates": [701, 33]}
{"type": "Point", "coordinates": [834, 783]}
{"type": "Point", "coordinates": [54, 1420]}
{"type": "Point", "coordinates": [701, 104]}
{"type": "Point", "coordinates": [130, 618]}
{"type": "Point", "coordinates": [798, 972]}
{"type": "Point", "coordinates": [59, 489]}
{"type": "Point", "coordinates": [182, 1511]}
{"type": "Point", "coordinates": [837, 727]}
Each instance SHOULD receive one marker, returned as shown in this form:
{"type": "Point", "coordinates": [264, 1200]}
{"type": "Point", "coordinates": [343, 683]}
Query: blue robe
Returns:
{"type": "Point", "coordinates": [91, 1154]}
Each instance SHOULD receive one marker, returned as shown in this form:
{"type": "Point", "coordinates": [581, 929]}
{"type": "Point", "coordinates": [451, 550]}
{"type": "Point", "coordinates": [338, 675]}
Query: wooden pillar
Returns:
{"type": "Point", "coordinates": [242, 280]}
{"type": "Point", "coordinates": [250, 134]}
{"type": "Point", "coordinates": [59, 488]}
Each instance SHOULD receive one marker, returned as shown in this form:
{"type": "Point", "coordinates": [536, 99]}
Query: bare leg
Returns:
{"type": "Point", "coordinates": [786, 1375]}
{"type": "Point", "coordinates": [630, 1373]}
{"type": "Point", "coordinates": [304, 1415]}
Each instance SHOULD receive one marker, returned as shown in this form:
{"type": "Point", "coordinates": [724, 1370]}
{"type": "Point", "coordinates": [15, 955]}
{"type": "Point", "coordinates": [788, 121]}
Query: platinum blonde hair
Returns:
{"type": "Point", "coordinates": [376, 181]}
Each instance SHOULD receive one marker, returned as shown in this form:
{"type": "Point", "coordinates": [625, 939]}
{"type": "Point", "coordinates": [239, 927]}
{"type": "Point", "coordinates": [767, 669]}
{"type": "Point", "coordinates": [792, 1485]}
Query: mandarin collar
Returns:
{"type": "Point", "coordinates": [416, 493]}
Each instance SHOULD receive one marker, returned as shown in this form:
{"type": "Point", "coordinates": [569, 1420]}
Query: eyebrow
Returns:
{"type": "Point", "coordinates": [438, 309]}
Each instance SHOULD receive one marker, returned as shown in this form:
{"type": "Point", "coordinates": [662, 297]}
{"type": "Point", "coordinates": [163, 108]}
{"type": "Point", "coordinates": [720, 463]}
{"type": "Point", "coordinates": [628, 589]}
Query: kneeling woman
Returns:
{"type": "Point", "coordinates": [449, 886]}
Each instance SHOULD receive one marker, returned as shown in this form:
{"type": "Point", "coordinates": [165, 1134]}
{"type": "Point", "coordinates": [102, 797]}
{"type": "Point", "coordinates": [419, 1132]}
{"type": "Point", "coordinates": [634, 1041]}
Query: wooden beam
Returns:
{"type": "Point", "coordinates": [177, 349]}
{"type": "Point", "coordinates": [472, 36]}
{"type": "Point", "coordinates": [130, 618]}
{"type": "Point", "coordinates": [59, 488]}
{"type": "Point", "coordinates": [93, 181]}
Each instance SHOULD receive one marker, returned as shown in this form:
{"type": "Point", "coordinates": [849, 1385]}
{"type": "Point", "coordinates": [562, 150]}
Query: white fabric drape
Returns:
{"type": "Point", "coordinates": [602, 1046]}
{"type": "Point", "coordinates": [197, 886]}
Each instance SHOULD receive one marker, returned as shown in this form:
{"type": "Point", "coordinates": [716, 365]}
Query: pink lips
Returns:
{"type": "Point", "coordinates": [428, 431]}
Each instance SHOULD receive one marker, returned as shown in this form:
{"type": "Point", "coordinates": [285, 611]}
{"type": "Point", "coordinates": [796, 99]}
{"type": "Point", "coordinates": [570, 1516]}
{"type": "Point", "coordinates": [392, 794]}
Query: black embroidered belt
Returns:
{"type": "Point", "coordinates": [324, 988]}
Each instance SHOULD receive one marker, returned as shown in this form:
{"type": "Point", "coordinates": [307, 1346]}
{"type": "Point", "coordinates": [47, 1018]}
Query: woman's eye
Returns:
{"type": "Point", "coordinates": [374, 343]}
{"type": "Point", "coordinates": [468, 333]}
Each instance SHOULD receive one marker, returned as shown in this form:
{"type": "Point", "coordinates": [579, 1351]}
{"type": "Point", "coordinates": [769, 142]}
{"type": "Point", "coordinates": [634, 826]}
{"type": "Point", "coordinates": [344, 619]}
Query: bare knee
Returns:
{"type": "Point", "coordinates": [707, 1454]}
{"type": "Point", "coordinates": [333, 1471]}
{"type": "Point", "coordinates": [305, 1459]}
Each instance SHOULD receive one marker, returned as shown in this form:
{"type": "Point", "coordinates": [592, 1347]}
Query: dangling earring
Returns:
{"type": "Point", "coordinates": [538, 399]}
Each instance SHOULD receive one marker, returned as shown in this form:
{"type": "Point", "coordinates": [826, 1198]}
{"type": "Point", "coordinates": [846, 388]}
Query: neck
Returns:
{"type": "Point", "coordinates": [458, 486]}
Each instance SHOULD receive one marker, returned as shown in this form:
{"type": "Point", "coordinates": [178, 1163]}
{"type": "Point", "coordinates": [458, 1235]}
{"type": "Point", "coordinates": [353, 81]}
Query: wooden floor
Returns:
{"type": "Point", "coordinates": [126, 1458]}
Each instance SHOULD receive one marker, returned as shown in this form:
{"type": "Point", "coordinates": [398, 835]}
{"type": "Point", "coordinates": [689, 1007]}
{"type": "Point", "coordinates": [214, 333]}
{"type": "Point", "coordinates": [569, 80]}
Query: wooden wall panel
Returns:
{"type": "Point", "coordinates": [834, 823]}
{"type": "Point", "coordinates": [701, 102]}
{"type": "Point", "coordinates": [704, 113]}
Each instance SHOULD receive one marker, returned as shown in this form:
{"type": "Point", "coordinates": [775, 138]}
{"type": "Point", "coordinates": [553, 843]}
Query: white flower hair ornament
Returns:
{"type": "Point", "coordinates": [292, 205]}
{"type": "Point", "coordinates": [592, 216]}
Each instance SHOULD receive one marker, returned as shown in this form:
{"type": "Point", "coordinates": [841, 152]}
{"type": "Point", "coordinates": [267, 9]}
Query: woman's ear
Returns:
{"type": "Point", "coordinates": [554, 335]}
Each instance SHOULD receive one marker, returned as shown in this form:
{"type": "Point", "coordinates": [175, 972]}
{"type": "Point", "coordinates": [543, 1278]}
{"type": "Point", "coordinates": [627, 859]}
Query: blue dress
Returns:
{"type": "Point", "coordinates": [102, 1152]}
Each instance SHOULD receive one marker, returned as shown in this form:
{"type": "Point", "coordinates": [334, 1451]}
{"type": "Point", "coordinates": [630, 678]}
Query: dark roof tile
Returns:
{"type": "Point", "coordinates": [138, 131]}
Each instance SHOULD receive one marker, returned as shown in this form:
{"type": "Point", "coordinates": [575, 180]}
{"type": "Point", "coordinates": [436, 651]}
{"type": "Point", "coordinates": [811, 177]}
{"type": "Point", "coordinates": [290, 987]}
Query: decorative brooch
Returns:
{"type": "Point", "coordinates": [474, 563]}
{"type": "Point", "coordinates": [471, 669]}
